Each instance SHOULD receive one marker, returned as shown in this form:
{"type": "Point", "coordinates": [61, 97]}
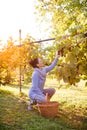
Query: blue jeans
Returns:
{"type": "Point", "coordinates": [42, 97]}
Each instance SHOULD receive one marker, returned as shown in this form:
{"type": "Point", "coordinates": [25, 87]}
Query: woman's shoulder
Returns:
{"type": "Point", "coordinates": [35, 73]}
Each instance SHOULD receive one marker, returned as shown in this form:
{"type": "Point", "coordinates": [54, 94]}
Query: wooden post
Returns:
{"type": "Point", "coordinates": [20, 85]}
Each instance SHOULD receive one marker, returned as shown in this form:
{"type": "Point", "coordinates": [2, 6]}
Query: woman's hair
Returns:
{"type": "Point", "coordinates": [34, 63]}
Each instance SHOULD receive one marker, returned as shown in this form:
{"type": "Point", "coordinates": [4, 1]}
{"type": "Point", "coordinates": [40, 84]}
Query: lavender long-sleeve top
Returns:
{"type": "Point", "coordinates": [38, 79]}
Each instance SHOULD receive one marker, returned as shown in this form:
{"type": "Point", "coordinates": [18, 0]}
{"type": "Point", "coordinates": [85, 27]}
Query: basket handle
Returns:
{"type": "Point", "coordinates": [47, 98]}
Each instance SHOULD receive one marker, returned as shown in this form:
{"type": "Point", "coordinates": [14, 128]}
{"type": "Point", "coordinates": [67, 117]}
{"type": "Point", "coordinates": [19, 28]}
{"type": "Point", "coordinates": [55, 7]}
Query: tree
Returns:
{"type": "Point", "coordinates": [12, 56]}
{"type": "Point", "coordinates": [69, 19]}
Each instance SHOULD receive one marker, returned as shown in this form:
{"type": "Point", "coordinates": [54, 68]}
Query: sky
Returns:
{"type": "Point", "coordinates": [19, 14]}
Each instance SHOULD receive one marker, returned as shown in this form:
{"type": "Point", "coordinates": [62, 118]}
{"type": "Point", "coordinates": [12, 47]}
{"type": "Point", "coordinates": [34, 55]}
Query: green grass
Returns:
{"type": "Point", "coordinates": [72, 110]}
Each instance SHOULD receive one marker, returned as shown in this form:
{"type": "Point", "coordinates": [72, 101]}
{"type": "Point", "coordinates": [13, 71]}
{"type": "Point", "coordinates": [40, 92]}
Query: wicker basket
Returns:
{"type": "Point", "coordinates": [48, 109]}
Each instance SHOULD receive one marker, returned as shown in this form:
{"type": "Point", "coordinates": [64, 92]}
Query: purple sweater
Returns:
{"type": "Point", "coordinates": [39, 78]}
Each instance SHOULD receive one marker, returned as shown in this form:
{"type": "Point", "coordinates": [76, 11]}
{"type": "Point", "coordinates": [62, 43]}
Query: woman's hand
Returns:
{"type": "Point", "coordinates": [57, 55]}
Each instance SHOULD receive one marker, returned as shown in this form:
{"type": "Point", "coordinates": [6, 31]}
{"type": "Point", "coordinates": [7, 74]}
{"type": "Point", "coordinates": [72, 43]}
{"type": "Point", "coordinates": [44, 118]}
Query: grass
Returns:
{"type": "Point", "coordinates": [72, 111]}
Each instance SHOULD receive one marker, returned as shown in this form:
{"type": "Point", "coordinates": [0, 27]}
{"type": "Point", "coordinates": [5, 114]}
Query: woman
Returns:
{"type": "Point", "coordinates": [37, 93]}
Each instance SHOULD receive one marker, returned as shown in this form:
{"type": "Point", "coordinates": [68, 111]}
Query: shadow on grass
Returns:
{"type": "Point", "coordinates": [4, 126]}
{"type": "Point", "coordinates": [76, 116]}
{"type": "Point", "coordinates": [15, 116]}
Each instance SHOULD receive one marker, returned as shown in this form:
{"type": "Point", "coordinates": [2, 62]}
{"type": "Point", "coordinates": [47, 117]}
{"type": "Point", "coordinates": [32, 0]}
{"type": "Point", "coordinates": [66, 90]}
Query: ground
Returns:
{"type": "Point", "coordinates": [72, 109]}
